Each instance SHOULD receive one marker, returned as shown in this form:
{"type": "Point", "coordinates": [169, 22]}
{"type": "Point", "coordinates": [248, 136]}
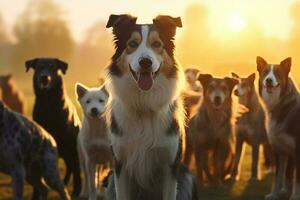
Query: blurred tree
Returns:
{"type": "Point", "coordinates": [95, 49]}
{"type": "Point", "coordinates": [294, 37]}
{"type": "Point", "coordinates": [5, 46]}
{"type": "Point", "coordinates": [41, 31]}
{"type": "Point", "coordinates": [195, 41]}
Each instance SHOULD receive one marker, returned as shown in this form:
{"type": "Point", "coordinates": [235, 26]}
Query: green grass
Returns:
{"type": "Point", "coordinates": [240, 190]}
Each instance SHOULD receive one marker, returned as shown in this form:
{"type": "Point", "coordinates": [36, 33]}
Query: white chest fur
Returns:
{"type": "Point", "coordinates": [144, 143]}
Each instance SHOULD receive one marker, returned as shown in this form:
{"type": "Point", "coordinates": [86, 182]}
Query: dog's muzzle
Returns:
{"type": "Point", "coordinates": [145, 76]}
{"type": "Point", "coordinates": [45, 81]}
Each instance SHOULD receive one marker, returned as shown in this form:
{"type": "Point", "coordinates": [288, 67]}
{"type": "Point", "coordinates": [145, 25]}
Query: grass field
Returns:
{"type": "Point", "coordinates": [240, 190]}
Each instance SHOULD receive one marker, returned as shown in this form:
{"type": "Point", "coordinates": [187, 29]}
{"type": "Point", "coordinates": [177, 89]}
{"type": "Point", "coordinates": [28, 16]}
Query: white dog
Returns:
{"type": "Point", "coordinates": [93, 145]}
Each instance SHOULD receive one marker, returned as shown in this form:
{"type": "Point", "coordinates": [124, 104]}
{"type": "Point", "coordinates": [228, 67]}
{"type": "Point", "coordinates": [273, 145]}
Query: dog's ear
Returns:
{"type": "Point", "coordinates": [261, 63]}
{"type": "Point", "coordinates": [104, 89]}
{"type": "Point", "coordinates": [80, 90]}
{"type": "Point", "coordinates": [234, 75]}
{"type": "Point", "coordinates": [167, 24]}
{"type": "Point", "coordinates": [31, 64]}
{"type": "Point", "coordinates": [63, 66]}
{"type": "Point", "coordinates": [204, 79]}
{"type": "Point", "coordinates": [251, 77]}
{"type": "Point", "coordinates": [231, 82]}
{"type": "Point", "coordinates": [120, 22]}
{"type": "Point", "coordinates": [286, 64]}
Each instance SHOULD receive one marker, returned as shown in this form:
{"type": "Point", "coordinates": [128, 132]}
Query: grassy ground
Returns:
{"type": "Point", "coordinates": [240, 190]}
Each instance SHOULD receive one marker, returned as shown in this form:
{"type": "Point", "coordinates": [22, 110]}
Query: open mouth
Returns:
{"type": "Point", "coordinates": [270, 88]}
{"type": "Point", "coordinates": [143, 78]}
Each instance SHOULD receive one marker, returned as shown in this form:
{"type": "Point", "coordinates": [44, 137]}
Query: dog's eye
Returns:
{"type": "Point", "coordinates": [133, 44]}
{"type": "Point", "coordinates": [101, 100]}
{"type": "Point", "coordinates": [88, 101]}
{"type": "Point", "coordinates": [156, 44]}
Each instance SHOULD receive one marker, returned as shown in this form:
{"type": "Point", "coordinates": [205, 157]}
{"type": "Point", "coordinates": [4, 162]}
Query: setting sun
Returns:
{"type": "Point", "coordinates": [236, 23]}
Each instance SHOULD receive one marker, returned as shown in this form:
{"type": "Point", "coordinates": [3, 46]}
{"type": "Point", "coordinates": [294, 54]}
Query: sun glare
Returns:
{"type": "Point", "coordinates": [236, 23]}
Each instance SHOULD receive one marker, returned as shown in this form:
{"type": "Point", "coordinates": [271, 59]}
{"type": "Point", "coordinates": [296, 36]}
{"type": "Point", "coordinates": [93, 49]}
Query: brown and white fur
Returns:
{"type": "Point", "coordinates": [191, 76]}
{"type": "Point", "coordinates": [282, 106]}
{"type": "Point", "coordinates": [250, 125]}
{"type": "Point", "coordinates": [146, 115]}
{"type": "Point", "coordinates": [93, 145]}
{"type": "Point", "coordinates": [209, 130]}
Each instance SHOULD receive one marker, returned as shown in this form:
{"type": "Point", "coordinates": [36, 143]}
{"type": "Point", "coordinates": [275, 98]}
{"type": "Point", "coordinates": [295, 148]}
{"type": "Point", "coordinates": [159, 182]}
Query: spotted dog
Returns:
{"type": "Point", "coordinates": [28, 152]}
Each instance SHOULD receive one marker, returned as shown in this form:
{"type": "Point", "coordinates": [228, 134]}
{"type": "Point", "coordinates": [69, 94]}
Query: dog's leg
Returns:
{"type": "Point", "coordinates": [18, 176]}
{"type": "Point", "coordinates": [280, 164]}
{"type": "Point", "coordinates": [169, 185]}
{"type": "Point", "coordinates": [268, 155]}
{"type": "Point", "coordinates": [82, 158]}
{"type": "Point", "coordinates": [122, 183]}
{"type": "Point", "coordinates": [189, 150]}
{"type": "Point", "coordinates": [289, 177]}
{"type": "Point", "coordinates": [34, 178]}
{"type": "Point", "coordinates": [50, 173]}
{"type": "Point", "coordinates": [200, 158]}
{"type": "Point", "coordinates": [255, 157]}
{"type": "Point", "coordinates": [296, 192]}
{"type": "Point", "coordinates": [237, 157]}
{"type": "Point", "coordinates": [68, 172]}
{"type": "Point", "coordinates": [221, 153]}
{"type": "Point", "coordinates": [91, 167]}
{"type": "Point", "coordinates": [76, 175]}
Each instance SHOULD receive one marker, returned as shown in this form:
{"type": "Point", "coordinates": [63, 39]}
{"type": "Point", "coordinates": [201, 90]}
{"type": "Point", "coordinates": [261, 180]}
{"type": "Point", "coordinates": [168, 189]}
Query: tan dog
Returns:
{"type": "Point", "coordinates": [250, 125]}
{"type": "Point", "coordinates": [11, 95]}
{"type": "Point", "coordinates": [93, 145]}
{"type": "Point", "coordinates": [209, 131]}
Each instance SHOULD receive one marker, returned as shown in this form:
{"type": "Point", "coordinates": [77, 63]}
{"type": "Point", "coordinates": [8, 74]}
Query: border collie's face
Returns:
{"type": "Point", "coordinates": [217, 91]}
{"type": "Point", "coordinates": [47, 72]}
{"type": "Point", "coordinates": [143, 50]}
{"type": "Point", "coordinates": [273, 77]}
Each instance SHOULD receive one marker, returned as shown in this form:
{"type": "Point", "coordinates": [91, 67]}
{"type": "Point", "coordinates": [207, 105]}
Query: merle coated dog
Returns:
{"type": "Point", "coordinates": [28, 152]}
{"type": "Point", "coordinates": [55, 112]}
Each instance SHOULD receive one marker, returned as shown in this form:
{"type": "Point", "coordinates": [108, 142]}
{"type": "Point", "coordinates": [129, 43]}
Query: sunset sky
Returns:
{"type": "Point", "coordinates": [224, 15]}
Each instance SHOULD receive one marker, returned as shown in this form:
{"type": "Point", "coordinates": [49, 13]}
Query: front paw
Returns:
{"type": "Point", "coordinates": [272, 196]}
{"type": "Point", "coordinates": [295, 197]}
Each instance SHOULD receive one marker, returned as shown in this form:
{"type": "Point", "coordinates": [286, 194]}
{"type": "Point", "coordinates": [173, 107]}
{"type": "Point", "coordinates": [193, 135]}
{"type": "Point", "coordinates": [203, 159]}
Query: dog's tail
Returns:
{"type": "Point", "coordinates": [187, 187]}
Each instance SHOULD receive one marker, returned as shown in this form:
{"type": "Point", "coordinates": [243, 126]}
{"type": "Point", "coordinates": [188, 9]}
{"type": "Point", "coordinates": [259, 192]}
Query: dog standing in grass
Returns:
{"type": "Point", "coordinates": [250, 126]}
{"type": "Point", "coordinates": [209, 131]}
{"type": "Point", "coordinates": [55, 112]}
{"type": "Point", "coordinates": [93, 145]}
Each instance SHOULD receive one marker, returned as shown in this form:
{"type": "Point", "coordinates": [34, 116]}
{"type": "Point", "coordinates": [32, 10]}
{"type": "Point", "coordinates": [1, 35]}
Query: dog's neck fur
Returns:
{"type": "Point", "coordinates": [94, 126]}
{"type": "Point", "coordinates": [286, 103]}
{"type": "Point", "coordinates": [217, 117]}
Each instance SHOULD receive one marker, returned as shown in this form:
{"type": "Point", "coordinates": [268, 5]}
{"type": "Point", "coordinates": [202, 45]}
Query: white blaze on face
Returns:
{"type": "Point", "coordinates": [271, 76]}
{"type": "Point", "coordinates": [144, 51]}
{"type": "Point", "coordinates": [271, 96]}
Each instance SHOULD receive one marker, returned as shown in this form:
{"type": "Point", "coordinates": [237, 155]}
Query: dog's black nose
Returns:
{"type": "Point", "coordinates": [217, 100]}
{"type": "Point", "coordinates": [94, 111]}
{"type": "Point", "coordinates": [45, 79]}
{"type": "Point", "coordinates": [269, 82]}
{"type": "Point", "coordinates": [145, 63]}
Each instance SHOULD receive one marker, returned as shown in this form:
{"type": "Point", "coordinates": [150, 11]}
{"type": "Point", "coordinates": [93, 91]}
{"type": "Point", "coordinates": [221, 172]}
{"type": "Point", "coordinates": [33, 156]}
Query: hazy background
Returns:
{"type": "Point", "coordinates": [218, 36]}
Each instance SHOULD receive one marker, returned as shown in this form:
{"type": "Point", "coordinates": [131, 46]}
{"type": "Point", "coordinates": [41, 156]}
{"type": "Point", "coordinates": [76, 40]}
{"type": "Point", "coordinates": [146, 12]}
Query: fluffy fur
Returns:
{"type": "Point", "coordinates": [145, 114]}
{"type": "Point", "coordinates": [93, 145]}
{"type": "Point", "coordinates": [54, 111]}
{"type": "Point", "coordinates": [209, 131]}
{"type": "Point", "coordinates": [282, 107]}
{"type": "Point", "coordinates": [28, 152]}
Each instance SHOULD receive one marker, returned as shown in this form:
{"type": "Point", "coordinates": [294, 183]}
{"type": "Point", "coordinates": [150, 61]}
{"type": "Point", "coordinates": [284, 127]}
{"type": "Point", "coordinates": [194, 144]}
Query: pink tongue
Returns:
{"type": "Point", "coordinates": [145, 81]}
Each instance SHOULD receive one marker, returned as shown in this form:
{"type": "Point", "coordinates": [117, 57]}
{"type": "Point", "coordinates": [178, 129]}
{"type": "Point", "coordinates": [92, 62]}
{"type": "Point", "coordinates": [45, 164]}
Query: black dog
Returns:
{"type": "Point", "coordinates": [55, 112]}
{"type": "Point", "coordinates": [28, 152]}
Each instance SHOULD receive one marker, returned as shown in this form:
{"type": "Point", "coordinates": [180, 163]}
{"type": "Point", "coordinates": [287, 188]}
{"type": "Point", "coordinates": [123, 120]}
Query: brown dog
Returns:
{"type": "Point", "coordinates": [11, 95]}
{"type": "Point", "coordinates": [209, 130]}
{"type": "Point", "coordinates": [250, 125]}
